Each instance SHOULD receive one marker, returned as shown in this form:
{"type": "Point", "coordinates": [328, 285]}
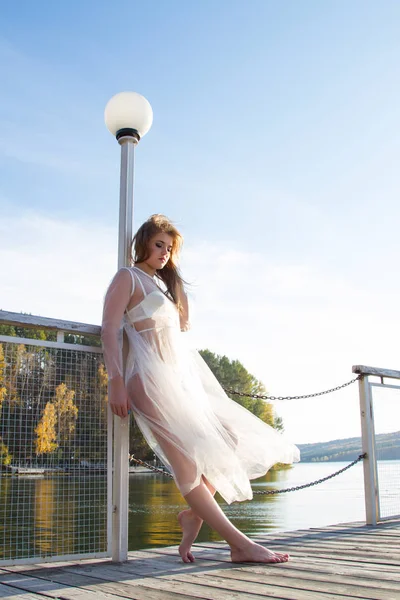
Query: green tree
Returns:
{"type": "Point", "coordinates": [5, 456]}
{"type": "Point", "coordinates": [32, 333]}
{"type": "Point", "coordinates": [231, 374]}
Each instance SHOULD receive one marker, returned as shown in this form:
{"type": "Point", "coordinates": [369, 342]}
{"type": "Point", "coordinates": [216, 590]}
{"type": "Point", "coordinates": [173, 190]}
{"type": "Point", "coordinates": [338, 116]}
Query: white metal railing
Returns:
{"type": "Point", "coordinates": [373, 495]}
{"type": "Point", "coordinates": [55, 442]}
{"type": "Point", "coordinates": [56, 445]}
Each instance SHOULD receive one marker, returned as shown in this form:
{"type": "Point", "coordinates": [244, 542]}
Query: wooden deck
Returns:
{"type": "Point", "coordinates": [331, 563]}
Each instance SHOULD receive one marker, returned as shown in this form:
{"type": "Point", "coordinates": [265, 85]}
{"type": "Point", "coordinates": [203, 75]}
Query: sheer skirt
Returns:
{"type": "Point", "coordinates": [189, 421]}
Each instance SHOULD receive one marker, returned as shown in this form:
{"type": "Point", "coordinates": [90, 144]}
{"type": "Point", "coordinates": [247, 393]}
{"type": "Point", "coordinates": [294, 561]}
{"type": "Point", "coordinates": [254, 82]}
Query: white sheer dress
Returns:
{"type": "Point", "coordinates": [183, 412]}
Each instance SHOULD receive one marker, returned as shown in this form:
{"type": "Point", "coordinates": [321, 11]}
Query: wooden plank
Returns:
{"type": "Point", "coordinates": [320, 572]}
{"type": "Point", "coordinates": [331, 531]}
{"type": "Point", "coordinates": [345, 558]}
{"type": "Point", "coordinates": [302, 563]}
{"type": "Point", "coordinates": [204, 557]}
{"type": "Point", "coordinates": [18, 319]}
{"type": "Point", "coordinates": [393, 532]}
{"type": "Point", "coordinates": [20, 567]}
{"type": "Point", "coordinates": [358, 589]}
{"type": "Point", "coordinates": [342, 562]}
{"type": "Point", "coordinates": [107, 586]}
{"type": "Point", "coordinates": [51, 588]}
{"type": "Point", "coordinates": [384, 533]}
{"type": "Point", "coordinates": [267, 587]}
{"type": "Point", "coordinates": [155, 566]}
{"type": "Point", "coordinates": [377, 371]}
{"type": "Point", "coordinates": [390, 536]}
{"type": "Point", "coordinates": [325, 551]}
{"type": "Point", "coordinates": [352, 563]}
{"type": "Point", "coordinates": [170, 563]}
{"type": "Point", "coordinates": [46, 344]}
{"type": "Point", "coordinates": [152, 588]}
{"type": "Point", "coordinates": [323, 535]}
{"type": "Point", "coordinates": [332, 544]}
{"type": "Point", "coordinates": [191, 580]}
{"type": "Point", "coordinates": [210, 590]}
{"type": "Point", "coordinates": [336, 544]}
{"type": "Point", "coordinates": [367, 542]}
{"type": "Point", "coordinates": [364, 530]}
{"type": "Point", "coordinates": [11, 593]}
{"type": "Point", "coordinates": [163, 583]}
{"type": "Point", "coordinates": [223, 555]}
{"type": "Point", "coordinates": [377, 554]}
{"type": "Point", "coordinates": [390, 523]}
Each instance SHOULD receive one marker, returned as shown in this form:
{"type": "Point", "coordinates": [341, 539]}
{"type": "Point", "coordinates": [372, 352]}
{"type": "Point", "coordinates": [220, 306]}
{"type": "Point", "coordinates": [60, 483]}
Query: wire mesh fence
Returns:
{"type": "Point", "coordinates": [54, 451]}
{"type": "Point", "coordinates": [56, 442]}
{"type": "Point", "coordinates": [386, 409]}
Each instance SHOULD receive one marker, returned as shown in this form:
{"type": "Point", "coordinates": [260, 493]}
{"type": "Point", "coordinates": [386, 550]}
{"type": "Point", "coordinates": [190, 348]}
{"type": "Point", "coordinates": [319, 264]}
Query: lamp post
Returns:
{"type": "Point", "coordinates": [128, 116]}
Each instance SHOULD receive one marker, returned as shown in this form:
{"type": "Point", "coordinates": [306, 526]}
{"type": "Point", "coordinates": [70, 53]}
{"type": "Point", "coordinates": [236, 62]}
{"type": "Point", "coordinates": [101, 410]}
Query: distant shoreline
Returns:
{"type": "Point", "coordinates": [387, 448]}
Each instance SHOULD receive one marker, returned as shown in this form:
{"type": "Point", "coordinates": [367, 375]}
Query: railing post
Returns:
{"type": "Point", "coordinates": [371, 490]}
{"type": "Point", "coordinates": [120, 490]}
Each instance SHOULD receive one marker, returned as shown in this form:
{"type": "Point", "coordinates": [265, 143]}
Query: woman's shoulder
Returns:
{"type": "Point", "coordinates": [123, 278]}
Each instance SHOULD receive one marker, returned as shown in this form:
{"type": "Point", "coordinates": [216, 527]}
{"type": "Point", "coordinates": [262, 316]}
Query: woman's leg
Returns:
{"type": "Point", "coordinates": [200, 499]}
{"type": "Point", "coordinates": [202, 502]}
{"type": "Point", "coordinates": [191, 523]}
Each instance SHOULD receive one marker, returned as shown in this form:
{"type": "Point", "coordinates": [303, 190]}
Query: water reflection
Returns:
{"type": "Point", "coordinates": [50, 516]}
{"type": "Point", "coordinates": [154, 502]}
{"type": "Point", "coordinates": [67, 514]}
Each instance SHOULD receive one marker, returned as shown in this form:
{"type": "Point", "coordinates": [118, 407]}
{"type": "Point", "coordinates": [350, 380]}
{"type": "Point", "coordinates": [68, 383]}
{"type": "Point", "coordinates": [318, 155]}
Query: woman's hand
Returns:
{"type": "Point", "coordinates": [118, 397]}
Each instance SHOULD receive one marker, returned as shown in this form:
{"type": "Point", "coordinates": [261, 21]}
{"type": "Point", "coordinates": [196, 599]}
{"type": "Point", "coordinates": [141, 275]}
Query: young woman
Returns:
{"type": "Point", "coordinates": [209, 442]}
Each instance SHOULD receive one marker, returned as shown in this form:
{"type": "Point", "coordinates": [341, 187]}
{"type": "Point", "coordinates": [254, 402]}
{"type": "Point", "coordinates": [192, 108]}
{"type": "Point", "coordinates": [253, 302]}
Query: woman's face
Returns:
{"type": "Point", "coordinates": [160, 247]}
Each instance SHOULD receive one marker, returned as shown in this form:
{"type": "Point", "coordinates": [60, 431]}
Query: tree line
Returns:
{"type": "Point", "coordinates": [53, 401]}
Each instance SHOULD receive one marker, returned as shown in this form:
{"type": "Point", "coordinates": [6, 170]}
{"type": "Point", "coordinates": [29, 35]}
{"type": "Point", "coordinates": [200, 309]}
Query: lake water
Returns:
{"type": "Point", "coordinates": [154, 503]}
{"type": "Point", "coordinates": [63, 514]}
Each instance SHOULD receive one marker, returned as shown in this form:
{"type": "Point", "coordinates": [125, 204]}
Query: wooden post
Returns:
{"type": "Point", "coordinates": [371, 489]}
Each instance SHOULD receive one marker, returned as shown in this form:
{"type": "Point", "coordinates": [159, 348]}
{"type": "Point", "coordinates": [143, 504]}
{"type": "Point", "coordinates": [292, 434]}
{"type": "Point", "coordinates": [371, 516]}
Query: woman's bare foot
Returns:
{"type": "Point", "coordinates": [256, 553]}
{"type": "Point", "coordinates": [190, 524]}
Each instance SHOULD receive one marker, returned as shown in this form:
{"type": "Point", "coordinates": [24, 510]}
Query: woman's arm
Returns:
{"type": "Point", "coordinates": [115, 303]}
{"type": "Point", "coordinates": [184, 312]}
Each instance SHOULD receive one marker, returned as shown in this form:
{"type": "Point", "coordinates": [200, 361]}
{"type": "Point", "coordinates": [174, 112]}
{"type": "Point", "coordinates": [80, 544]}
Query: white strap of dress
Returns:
{"type": "Point", "coordinates": [133, 279]}
{"type": "Point", "coordinates": [140, 282]}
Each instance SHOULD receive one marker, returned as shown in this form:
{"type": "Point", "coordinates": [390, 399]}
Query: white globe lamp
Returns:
{"type": "Point", "coordinates": [128, 114]}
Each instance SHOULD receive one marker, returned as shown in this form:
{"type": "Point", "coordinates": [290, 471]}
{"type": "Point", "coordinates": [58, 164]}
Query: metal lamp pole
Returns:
{"type": "Point", "coordinates": [128, 116]}
{"type": "Point", "coordinates": [127, 138]}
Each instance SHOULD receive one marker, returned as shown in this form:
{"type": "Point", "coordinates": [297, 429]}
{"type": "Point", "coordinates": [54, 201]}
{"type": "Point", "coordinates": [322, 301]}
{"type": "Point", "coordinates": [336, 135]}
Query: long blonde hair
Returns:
{"type": "Point", "coordinates": [170, 274]}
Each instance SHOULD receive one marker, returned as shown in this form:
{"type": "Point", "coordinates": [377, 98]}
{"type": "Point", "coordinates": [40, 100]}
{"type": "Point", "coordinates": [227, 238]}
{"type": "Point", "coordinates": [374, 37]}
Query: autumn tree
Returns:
{"type": "Point", "coordinates": [66, 413]}
{"type": "Point", "coordinates": [102, 379]}
{"type": "Point", "coordinates": [58, 421]}
{"type": "Point", "coordinates": [33, 377]}
{"type": "Point", "coordinates": [5, 456]}
{"type": "Point", "coordinates": [3, 389]}
{"type": "Point", "coordinates": [45, 442]}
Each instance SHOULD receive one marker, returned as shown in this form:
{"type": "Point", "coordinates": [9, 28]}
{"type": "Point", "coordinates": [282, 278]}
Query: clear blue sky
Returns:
{"type": "Point", "coordinates": [275, 147]}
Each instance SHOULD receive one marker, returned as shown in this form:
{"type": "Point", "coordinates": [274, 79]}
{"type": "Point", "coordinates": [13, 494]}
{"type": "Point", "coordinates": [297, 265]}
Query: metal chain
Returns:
{"type": "Point", "coordinates": [151, 467]}
{"type": "Point", "coordinates": [260, 397]}
{"type": "Point", "coordinates": [307, 485]}
{"type": "Point", "coordinates": [261, 492]}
